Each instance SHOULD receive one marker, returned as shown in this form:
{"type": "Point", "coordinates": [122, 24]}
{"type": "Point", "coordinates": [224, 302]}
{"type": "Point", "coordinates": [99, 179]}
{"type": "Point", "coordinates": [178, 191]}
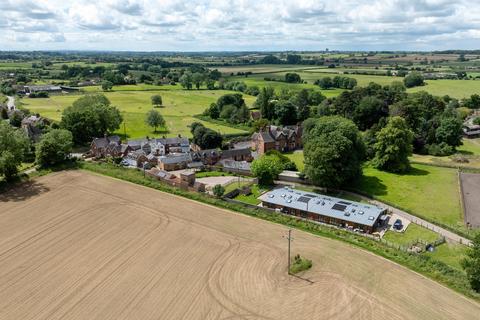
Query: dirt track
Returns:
{"type": "Point", "coordinates": [79, 246]}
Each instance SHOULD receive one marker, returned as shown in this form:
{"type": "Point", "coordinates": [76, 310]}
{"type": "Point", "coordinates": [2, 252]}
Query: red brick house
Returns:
{"type": "Point", "coordinates": [281, 139]}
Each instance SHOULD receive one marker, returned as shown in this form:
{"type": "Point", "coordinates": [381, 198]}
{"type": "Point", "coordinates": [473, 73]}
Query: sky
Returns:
{"type": "Point", "coordinates": [239, 25]}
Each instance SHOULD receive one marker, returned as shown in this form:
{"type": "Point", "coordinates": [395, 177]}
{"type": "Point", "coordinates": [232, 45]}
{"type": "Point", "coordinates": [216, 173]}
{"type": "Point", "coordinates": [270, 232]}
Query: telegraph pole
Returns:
{"type": "Point", "coordinates": [289, 238]}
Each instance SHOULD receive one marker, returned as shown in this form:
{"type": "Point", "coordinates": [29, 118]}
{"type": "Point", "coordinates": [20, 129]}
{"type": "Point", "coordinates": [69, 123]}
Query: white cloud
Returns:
{"type": "Point", "coordinates": [239, 24]}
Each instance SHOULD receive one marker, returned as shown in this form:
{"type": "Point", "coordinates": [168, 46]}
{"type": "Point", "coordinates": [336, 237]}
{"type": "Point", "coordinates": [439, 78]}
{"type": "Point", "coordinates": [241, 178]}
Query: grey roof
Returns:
{"type": "Point", "coordinates": [346, 210]}
{"type": "Point", "coordinates": [173, 141]}
{"type": "Point", "coordinates": [195, 164]}
{"type": "Point", "coordinates": [175, 158]}
{"type": "Point", "coordinates": [236, 152]}
{"type": "Point", "coordinates": [232, 164]}
{"type": "Point", "coordinates": [103, 142]}
{"type": "Point", "coordinates": [44, 88]}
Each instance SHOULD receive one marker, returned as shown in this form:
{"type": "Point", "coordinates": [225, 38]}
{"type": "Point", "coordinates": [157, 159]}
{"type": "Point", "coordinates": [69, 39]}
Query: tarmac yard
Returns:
{"type": "Point", "coordinates": [74, 245]}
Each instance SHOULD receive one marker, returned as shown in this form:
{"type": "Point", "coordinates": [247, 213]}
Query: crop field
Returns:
{"type": "Point", "coordinates": [454, 88]}
{"type": "Point", "coordinates": [179, 108]}
{"type": "Point", "coordinates": [75, 245]}
{"type": "Point", "coordinates": [264, 68]}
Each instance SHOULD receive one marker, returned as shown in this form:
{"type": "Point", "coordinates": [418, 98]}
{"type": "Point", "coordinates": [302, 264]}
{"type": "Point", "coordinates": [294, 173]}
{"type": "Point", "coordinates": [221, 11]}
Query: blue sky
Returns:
{"type": "Point", "coordinates": [196, 25]}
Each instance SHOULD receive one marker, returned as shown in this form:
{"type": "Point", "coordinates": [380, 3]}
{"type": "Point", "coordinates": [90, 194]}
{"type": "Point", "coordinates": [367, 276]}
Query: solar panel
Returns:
{"type": "Point", "coordinates": [345, 202]}
{"type": "Point", "coordinates": [309, 195]}
{"type": "Point", "coordinates": [304, 199]}
{"type": "Point", "coordinates": [339, 207]}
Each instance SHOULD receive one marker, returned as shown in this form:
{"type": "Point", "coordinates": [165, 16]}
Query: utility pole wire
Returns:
{"type": "Point", "coordinates": [289, 238]}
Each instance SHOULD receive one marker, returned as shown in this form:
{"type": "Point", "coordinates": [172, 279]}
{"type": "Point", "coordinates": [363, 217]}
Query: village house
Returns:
{"type": "Point", "coordinates": [244, 154]}
{"type": "Point", "coordinates": [100, 147]}
{"type": "Point", "coordinates": [161, 146]}
{"type": "Point", "coordinates": [33, 126]}
{"type": "Point", "coordinates": [282, 139]}
{"type": "Point", "coordinates": [172, 162]}
{"type": "Point", "coordinates": [206, 157]}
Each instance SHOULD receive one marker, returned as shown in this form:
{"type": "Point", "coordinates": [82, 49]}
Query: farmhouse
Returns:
{"type": "Point", "coordinates": [326, 209]}
{"type": "Point", "coordinates": [277, 138]}
{"type": "Point", "coordinates": [101, 147]}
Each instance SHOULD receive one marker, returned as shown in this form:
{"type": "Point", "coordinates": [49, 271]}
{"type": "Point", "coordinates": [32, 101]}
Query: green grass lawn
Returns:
{"type": "Point", "coordinates": [469, 150]}
{"type": "Point", "coordinates": [297, 158]}
{"type": "Point", "coordinates": [454, 88]}
{"type": "Point", "coordinates": [236, 185]}
{"type": "Point", "coordinates": [427, 191]}
{"type": "Point", "coordinates": [470, 146]}
{"type": "Point", "coordinates": [413, 233]}
{"type": "Point", "coordinates": [450, 254]}
{"type": "Point", "coordinates": [252, 198]}
{"type": "Point", "coordinates": [179, 108]}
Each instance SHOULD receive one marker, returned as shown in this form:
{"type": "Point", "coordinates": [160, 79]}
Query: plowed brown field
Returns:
{"type": "Point", "coordinates": [79, 246]}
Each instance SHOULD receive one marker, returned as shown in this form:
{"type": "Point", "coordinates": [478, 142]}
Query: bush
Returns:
{"type": "Point", "coordinates": [440, 150]}
{"type": "Point", "coordinates": [300, 264]}
{"type": "Point", "coordinates": [54, 147]}
{"type": "Point", "coordinates": [291, 77]}
{"type": "Point", "coordinates": [218, 190]}
{"type": "Point", "coordinates": [266, 169]}
{"type": "Point", "coordinates": [414, 79]}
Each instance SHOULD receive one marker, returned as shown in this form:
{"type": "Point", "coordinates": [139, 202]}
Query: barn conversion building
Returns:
{"type": "Point", "coordinates": [326, 209]}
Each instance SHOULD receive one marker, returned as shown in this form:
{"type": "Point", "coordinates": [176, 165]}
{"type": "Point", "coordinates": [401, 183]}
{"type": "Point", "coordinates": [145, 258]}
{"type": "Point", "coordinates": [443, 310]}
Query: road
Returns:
{"type": "Point", "coordinates": [11, 103]}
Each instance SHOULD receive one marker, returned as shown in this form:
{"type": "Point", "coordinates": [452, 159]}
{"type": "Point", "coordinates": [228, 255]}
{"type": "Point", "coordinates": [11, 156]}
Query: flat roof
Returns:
{"type": "Point", "coordinates": [356, 212]}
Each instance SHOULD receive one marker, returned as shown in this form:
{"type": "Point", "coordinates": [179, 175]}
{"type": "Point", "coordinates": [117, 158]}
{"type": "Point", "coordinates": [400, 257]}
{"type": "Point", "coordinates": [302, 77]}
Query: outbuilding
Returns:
{"type": "Point", "coordinates": [326, 209]}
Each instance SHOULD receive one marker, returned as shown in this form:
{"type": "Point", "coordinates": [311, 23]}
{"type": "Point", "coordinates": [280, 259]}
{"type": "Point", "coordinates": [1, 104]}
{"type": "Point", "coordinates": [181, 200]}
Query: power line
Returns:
{"type": "Point", "coordinates": [290, 239]}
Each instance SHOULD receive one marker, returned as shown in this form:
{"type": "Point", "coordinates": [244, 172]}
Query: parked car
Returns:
{"type": "Point", "coordinates": [398, 225]}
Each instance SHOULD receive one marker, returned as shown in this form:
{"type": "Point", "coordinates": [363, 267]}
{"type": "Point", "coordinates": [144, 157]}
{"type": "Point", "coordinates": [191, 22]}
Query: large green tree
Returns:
{"type": "Point", "coordinates": [186, 80]}
{"type": "Point", "coordinates": [197, 79]}
{"type": "Point", "coordinates": [450, 131]}
{"type": "Point", "coordinates": [368, 112]}
{"type": "Point", "coordinates": [333, 151]}
{"type": "Point", "coordinates": [204, 137]}
{"type": "Point", "coordinates": [14, 144]}
{"type": "Point", "coordinates": [156, 100]}
{"type": "Point", "coordinates": [54, 147]}
{"type": "Point", "coordinates": [267, 168]}
{"type": "Point", "coordinates": [471, 264]}
{"type": "Point", "coordinates": [413, 79]}
{"type": "Point", "coordinates": [285, 112]}
{"type": "Point", "coordinates": [265, 102]}
{"type": "Point", "coordinates": [89, 117]}
{"type": "Point", "coordinates": [393, 146]}
{"type": "Point", "coordinates": [154, 119]}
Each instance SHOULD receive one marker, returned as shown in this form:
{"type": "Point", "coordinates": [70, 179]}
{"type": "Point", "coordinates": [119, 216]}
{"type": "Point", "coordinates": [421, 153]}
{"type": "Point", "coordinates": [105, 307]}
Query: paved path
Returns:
{"type": "Point", "coordinates": [11, 103]}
